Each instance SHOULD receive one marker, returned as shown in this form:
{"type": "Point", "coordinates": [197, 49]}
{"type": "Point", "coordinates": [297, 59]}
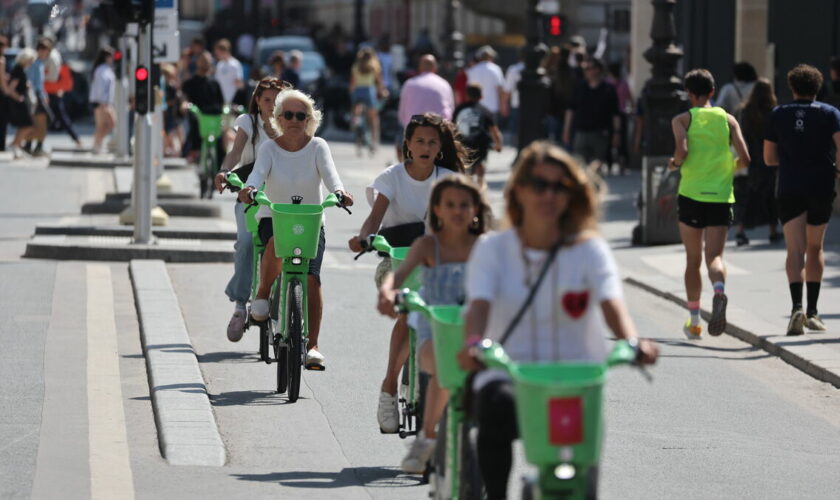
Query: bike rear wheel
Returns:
{"type": "Point", "coordinates": [294, 331]}
{"type": "Point", "coordinates": [210, 167]}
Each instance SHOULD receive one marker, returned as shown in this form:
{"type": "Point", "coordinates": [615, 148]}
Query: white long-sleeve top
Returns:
{"type": "Point", "coordinates": [294, 173]}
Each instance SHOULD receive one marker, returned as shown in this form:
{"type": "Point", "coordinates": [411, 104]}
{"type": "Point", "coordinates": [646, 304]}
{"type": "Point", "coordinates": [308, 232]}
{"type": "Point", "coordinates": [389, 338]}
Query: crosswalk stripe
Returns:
{"type": "Point", "coordinates": [110, 467]}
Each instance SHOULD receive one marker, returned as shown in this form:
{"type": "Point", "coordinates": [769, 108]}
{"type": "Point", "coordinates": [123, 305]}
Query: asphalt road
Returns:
{"type": "Point", "coordinates": [719, 420]}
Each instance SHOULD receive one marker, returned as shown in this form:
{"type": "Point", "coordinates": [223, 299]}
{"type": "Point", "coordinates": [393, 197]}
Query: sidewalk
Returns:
{"type": "Point", "coordinates": [757, 288]}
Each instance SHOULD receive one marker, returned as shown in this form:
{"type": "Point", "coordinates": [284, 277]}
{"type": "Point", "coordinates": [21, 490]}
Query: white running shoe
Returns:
{"type": "Point", "coordinates": [259, 309]}
{"type": "Point", "coordinates": [387, 414]}
{"type": "Point", "coordinates": [418, 455]}
{"type": "Point", "coordinates": [314, 360]}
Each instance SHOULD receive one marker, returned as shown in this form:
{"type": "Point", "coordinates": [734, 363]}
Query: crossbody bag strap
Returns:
{"type": "Point", "coordinates": [531, 294]}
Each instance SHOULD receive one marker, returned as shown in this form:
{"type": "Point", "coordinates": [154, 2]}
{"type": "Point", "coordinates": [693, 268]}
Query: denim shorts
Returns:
{"type": "Point", "coordinates": [267, 232]}
{"type": "Point", "coordinates": [364, 95]}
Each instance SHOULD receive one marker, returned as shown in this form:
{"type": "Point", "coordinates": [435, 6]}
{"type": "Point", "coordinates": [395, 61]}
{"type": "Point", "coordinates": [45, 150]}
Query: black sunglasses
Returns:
{"type": "Point", "coordinates": [300, 116]}
{"type": "Point", "coordinates": [540, 185]}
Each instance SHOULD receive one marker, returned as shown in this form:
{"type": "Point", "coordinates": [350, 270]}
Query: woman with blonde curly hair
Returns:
{"type": "Point", "coordinates": [552, 247]}
{"type": "Point", "coordinates": [295, 163]}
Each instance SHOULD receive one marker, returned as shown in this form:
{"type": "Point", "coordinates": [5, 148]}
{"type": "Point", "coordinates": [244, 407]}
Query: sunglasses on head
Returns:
{"type": "Point", "coordinates": [425, 119]}
{"type": "Point", "coordinates": [300, 116]}
{"type": "Point", "coordinates": [540, 185]}
{"type": "Point", "coordinates": [273, 84]}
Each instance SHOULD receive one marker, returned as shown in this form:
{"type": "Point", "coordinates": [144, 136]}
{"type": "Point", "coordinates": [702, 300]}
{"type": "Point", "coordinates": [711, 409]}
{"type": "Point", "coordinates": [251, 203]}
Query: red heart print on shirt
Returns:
{"type": "Point", "coordinates": [574, 303]}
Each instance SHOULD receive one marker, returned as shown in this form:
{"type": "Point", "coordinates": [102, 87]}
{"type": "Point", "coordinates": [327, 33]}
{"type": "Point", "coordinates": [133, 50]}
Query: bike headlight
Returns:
{"type": "Point", "coordinates": [297, 251]}
{"type": "Point", "coordinates": [297, 261]}
{"type": "Point", "coordinates": [564, 472]}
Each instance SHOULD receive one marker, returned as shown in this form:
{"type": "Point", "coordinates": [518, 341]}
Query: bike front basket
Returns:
{"type": "Point", "coordinates": [558, 407]}
{"type": "Point", "coordinates": [296, 227]}
{"type": "Point", "coordinates": [448, 339]}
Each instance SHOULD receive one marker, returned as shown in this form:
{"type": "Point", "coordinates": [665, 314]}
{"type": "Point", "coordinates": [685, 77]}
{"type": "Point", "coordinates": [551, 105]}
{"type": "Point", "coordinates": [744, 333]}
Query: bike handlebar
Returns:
{"type": "Point", "coordinates": [373, 242]}
{"type": "Point", "coordinates": [259, 198]}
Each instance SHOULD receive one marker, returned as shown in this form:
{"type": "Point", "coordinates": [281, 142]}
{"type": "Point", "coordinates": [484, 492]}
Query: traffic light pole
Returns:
{"type": "Point", "coordinates": [143, 190]}
{"type": "Point", "coordinates": [121, 98]}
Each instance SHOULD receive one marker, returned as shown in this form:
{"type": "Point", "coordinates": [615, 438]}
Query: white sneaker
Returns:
{"type": "Point", "coordinates": [259, 309]}
{"type": "Point", "coordinates": [418, 455]}
{"type": "Point", "coordinates": [314, 360]}
{"type": "Point", "coordinates": [387, 414]}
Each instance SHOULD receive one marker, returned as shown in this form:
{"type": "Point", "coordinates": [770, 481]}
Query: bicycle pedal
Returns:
{"type": "Point", "coordinates": [315, 367]}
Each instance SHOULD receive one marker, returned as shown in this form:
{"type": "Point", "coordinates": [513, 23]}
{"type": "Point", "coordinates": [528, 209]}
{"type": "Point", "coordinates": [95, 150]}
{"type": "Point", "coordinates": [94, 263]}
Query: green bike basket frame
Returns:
{"type": "Point", "coordinates": [447, 339]}
{"type": "Point", "coordinates": [541, 386]}
{"type": "Point", "coordinates": [299, 227]}
{"type": "Point", "coordinates": [209, 126]}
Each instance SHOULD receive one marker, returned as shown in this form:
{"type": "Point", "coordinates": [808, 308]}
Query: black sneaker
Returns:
{"type": "Point", "coordinates": [741, 240]}
{"type": "Point", "coordinates": [717, 323]}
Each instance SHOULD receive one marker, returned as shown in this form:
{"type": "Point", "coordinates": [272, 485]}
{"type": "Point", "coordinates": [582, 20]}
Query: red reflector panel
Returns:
{"type": "Point", "coordinates": [565, 421]}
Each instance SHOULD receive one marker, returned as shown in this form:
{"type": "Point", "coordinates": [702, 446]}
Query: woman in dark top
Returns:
{"type": "Point", "coordinates": [758, 206]}
{"type": "Point", "coordinates": [19, 104]}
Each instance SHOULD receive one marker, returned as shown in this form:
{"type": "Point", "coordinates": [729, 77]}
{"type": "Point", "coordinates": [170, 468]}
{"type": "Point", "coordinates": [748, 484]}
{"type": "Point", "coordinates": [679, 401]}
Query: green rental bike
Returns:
{"type": "Point", "coordinates": [210, 128]}
{"type": "Point", "coordinates": [410, 399]}
{"type": "Point", "coordinates": [454, 473]}
{"type": "Point", "coordinates": [297, 228]}
{"type": "Point", "coordinates": [560, 418]}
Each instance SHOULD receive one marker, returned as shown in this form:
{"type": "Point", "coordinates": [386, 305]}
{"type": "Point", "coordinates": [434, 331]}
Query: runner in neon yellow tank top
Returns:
{"type": "Point", "coordinates": [703, 136]}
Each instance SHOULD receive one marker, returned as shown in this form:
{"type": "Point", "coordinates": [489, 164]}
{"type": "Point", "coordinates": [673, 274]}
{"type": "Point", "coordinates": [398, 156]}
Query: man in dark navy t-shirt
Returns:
{"type": "Point", "coordinates": [803, 139]}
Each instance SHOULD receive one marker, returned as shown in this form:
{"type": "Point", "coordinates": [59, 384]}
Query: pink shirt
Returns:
{"type": "Point", "coordinates": [426, 93]}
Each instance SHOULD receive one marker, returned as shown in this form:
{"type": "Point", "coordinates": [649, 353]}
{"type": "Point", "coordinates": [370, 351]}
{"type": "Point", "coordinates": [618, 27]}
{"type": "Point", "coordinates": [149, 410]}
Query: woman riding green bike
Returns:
{"type": "Point", "coordinates": [458, 214]}
{"type": "Point", "coordinates": [252, 130]}
{"type": "Point", "coordinates": [399, 199]}
{"type": "Point", "coordinates": [293, 166]}
{"type": "Point", "coordinates": [554, 249]}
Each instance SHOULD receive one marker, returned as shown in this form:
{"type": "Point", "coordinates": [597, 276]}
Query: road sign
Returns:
{"type": "Point", "coordinates": [166, 40]}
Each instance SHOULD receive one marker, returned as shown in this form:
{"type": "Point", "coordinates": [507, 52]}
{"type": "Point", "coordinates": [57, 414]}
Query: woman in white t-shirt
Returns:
{"type": "Point", "coordinates": [551, 205]}
{"type": "Point", "coordinates": [101, 96]}
{"type": "Point", "coordinates": [240, 160]}
{"type": "Point", "coordinates": [295, 163]}
{"type": "Point", "coordinates": [400, 197]}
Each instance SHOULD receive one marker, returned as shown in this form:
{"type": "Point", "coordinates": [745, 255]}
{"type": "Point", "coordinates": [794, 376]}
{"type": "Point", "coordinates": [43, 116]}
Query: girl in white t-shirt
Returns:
{"type": "Point", "coordinates": [551, 205]}
{"type": "Point", "coordinates": [400, 195]}
{"type": "Point", "coordinates": [240, 160]}
{"type": "Point", "coordinates": [295, 163]}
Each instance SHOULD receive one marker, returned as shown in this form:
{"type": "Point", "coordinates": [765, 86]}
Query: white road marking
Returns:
{"type": "Point", "coordinates": [110, 467]}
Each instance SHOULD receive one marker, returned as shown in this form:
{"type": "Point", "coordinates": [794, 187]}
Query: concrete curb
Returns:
{"type": "Point", "coordinates": [804, 352]}
{"type": "Point", "coordinates": [173, 207]}
{"type": "Point", "coordinates": [120, 249]}
{"type": "Point", "coordinates": [187, 430]}
{"type": "Point", "coordinates": [66, 160]}
{"type": "Point", "coordinates": [127, 231]}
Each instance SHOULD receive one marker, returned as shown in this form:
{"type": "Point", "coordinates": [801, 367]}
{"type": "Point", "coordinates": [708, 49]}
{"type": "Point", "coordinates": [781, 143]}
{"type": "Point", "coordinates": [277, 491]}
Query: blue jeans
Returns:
{"type": "Point", "coordinates": [239, 287]}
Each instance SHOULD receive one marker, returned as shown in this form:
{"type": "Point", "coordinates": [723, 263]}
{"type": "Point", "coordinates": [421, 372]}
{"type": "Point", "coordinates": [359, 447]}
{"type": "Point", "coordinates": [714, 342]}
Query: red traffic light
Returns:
{"type": "Point", "coordinates": [117, 56]}
{"type": "Point", "coordinates": [556, 26]}
{"type": "Point", "coordinates": [141, 74]}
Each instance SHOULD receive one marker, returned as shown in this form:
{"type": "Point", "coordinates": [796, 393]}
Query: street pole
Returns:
{"type": "Point", "coordinates": [143, 189]}
{"type": "Point", "coordinates": [453, 39]}
{"type": "Point", "coordinates": [534, 85]}
{"type": "Point", "coordinates": [663, 94]}
{"type": "Point", "coordinates": [663, 98]}
{"type": "Point", "coordinates": [121, 98]}
{"type": "Point", "coordinates": [358, 22]}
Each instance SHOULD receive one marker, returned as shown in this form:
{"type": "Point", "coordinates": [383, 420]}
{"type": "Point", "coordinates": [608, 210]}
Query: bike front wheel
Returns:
{"type": "Point", "coordinates": [294, 336]}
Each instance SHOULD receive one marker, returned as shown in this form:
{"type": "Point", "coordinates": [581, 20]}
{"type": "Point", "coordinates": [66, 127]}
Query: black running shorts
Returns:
{"type": "Point", "coordinates": [818, 208]}
{"type": "Point", "coordinates": [701, 214]}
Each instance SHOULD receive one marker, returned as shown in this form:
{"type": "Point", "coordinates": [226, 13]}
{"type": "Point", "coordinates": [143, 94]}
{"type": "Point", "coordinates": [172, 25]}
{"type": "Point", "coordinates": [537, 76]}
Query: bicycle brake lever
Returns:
{"type": "Point", "coordinates": [347, 210]}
